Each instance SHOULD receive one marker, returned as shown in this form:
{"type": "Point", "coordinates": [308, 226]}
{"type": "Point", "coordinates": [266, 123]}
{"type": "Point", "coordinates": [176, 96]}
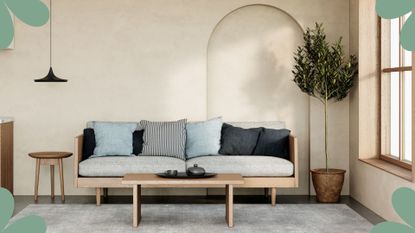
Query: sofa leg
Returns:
{"type": "Point", "coordinates": [274, 196]}
{"type": "Point", "coordinates": [98, 196]}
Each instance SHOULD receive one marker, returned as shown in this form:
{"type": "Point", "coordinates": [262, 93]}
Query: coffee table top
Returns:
{"type": "Point", "coordinates": [152, 179]}
{"type": "Point", "coordinates": [50, 155]}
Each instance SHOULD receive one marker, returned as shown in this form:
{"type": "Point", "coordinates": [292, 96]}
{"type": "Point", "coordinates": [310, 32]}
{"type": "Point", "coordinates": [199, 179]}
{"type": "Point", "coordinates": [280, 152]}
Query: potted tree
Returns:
{"type": "Point", "coordinates": [322, 71]}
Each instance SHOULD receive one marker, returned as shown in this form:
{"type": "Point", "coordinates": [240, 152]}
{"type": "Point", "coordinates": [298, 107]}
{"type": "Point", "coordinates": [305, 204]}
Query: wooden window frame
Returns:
{"type": "Point", "coordinates": [401, 69]}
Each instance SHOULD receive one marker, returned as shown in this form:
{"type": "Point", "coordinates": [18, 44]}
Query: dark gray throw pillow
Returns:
{"type": "Point", "coordinates": [238, 141]}
{"type": "Point", "coordinates": [88, 144]}
{"type": "Point", "coordinates": [273, 142]}
{"type": "Point", "coordinates": [138, 142]}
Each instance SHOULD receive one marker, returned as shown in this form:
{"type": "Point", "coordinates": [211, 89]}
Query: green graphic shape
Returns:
{"type": "Point", "coordinates": [390, 9]}
{"type": "Point", "coordinates": [403, 201]}
{"type": "Point", "coordinates": [32, 223]}
{"type": "Point", "coordinates": [31, 12]}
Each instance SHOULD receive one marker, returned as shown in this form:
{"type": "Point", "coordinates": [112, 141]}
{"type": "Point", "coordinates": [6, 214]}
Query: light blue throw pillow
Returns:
{"type": "Point", "coordinates": [203, 138]}
{"type": "Point", "coordinates": [114, 138]}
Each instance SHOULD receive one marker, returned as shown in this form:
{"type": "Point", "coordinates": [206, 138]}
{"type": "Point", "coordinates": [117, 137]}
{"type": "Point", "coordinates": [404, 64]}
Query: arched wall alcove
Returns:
{"type": "Point", "coordinates": [249, 63]}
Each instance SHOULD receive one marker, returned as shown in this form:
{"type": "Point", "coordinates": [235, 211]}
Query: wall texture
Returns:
{"type": "Point", "coordinates": [369, 185]}
{"type": "Point", "coordinates": [128, 60]}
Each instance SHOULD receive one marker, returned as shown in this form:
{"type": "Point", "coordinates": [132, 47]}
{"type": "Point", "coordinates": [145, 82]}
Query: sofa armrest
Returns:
{"type": "Point", "coordinates": [77, 157]}
{"type": "Point", "coordinates": [293, 143]}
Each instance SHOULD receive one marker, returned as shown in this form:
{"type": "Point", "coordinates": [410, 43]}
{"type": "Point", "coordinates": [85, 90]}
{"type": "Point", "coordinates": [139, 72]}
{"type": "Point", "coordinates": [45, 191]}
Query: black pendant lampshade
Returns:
{"type": "Point", "coordinates": [50, 77]}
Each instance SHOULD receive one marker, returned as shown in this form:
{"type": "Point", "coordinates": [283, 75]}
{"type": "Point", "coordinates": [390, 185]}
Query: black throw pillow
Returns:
{"type": "Point", "coordinates": [138, 142]}
{"type": "Point", "coordinates": [238, 141]}
{"type": "Point", "coordinates": [88, 144]}
{"type": "Point", "coordinates": [273, 142]}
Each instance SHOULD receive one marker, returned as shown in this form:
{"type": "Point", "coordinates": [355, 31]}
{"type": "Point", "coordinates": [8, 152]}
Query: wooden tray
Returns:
{"type": "Point", "coordinates": [183, 175]}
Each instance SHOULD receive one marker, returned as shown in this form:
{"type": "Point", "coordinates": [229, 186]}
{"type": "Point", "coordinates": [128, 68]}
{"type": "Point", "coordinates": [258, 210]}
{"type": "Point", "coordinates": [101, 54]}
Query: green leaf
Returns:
{"type": "Point", "coordinates": [32, 224]}
{"type": "Point", "coordinates": [390, 9]}
{"type": "Point", "coordinates": [6, 207]}
{"type": "Point", "coordinates": [391, 227]}
{"type": "Point", "coordinates": [403, 201]}
{"type": "Point", "coordinates": [31, 12]}
{"type": "Point", "coordinates": [408, 34]}
{"type": "Point", "coordinates": [6, 27]}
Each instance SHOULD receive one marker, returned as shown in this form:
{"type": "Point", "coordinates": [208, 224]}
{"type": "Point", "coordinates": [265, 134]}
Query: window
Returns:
{"type": "Point", "coordinates": [397, 90]}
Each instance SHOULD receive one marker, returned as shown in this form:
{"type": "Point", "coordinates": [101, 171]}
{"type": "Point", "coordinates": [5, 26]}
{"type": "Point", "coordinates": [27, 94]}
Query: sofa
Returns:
{"type": "Point", "coordinates": [258, 171]}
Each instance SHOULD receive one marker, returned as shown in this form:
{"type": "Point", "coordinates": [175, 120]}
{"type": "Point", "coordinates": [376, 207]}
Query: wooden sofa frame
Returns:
{"type": "Point", "coordinates": [250, 182]}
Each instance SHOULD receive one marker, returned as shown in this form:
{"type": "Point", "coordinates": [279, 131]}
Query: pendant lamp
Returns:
{"type": "Point", "coordinates": [50, 77]}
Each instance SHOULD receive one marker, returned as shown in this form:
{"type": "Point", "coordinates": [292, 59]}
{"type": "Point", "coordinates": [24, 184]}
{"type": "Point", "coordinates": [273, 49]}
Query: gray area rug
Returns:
{"type": "Point", "coordinates": [284, 218]}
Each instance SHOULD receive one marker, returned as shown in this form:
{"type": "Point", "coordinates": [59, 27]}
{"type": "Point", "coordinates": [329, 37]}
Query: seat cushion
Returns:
{"type": "Point", "coordinates": [245, 165]}
{"type": "Point", "coordinates": [117, 166]}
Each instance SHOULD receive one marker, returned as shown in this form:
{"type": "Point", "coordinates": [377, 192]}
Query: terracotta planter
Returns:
{"type": "Point", "coordinates": [328, 185]}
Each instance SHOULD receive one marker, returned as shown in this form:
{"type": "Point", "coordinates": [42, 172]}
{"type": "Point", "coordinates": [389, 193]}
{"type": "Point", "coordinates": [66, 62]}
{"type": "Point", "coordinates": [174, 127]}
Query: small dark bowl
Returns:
{"type": "Point", "coordinates": [171, 172]}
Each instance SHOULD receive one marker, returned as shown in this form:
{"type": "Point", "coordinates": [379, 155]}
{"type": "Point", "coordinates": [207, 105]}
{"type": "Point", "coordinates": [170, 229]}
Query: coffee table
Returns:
{"type": "Point", "coordinates": [152, 180]}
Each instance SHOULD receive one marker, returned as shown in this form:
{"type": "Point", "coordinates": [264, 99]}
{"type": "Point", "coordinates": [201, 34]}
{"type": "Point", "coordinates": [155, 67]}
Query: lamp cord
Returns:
{"type": "Point", "coordinates": [50, 33]}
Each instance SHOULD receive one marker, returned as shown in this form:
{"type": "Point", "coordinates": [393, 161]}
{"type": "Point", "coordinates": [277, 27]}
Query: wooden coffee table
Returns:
{"type": "Point", "coordinates": [152, 180]}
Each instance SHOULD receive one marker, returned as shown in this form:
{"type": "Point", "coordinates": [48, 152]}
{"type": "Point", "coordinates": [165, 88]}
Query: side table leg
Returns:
{"type": "Point", "coordinates": [229, 205]}
{"type": "Point", "coordinates": [52, 181]}
{"type": "Point", "coordinates": [62, 183]}
{"type": "Point", "coordinates": [136, 205]}
{"type": "Point", "coordinates": [37, 178]}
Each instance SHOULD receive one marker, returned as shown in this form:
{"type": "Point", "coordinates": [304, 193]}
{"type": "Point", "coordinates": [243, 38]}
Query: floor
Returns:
{"type": "Point", "coordinates": [22, 201]}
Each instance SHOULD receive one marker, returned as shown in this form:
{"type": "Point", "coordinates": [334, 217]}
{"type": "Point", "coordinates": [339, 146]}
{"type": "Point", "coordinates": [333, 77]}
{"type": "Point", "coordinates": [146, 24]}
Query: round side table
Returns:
{"type": "Point", "coordinates": [51, 159]}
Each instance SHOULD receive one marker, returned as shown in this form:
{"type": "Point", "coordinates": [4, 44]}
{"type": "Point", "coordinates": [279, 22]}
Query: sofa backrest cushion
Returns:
{"type": "Point", "coordinates": [91, 124]}
{"type": "Point", "coordinates": [114, 138]}
{"type": "Point", "coordinates": [203, 138]}
{"type": "Point", "coordinates": [164, 138]}
{"type": "Point", "coordinates": [259, 124]}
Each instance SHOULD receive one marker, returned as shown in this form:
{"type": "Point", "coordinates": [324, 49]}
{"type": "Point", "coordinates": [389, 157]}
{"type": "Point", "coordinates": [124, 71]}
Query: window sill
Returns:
{"type": "Point", "coordinates": [390, 168]}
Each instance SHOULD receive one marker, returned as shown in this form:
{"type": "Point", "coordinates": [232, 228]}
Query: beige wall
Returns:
{"type": "Point", "coordinates": [369, 185]}
{"type": "Point", "coordinates": [128, 60]}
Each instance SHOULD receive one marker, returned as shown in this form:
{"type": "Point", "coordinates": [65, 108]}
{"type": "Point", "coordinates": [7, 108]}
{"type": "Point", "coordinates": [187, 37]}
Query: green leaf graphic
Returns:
{"type": "Point", "coordinates": [6, 27]}
{"type": "Point", "coordinates": [33, 224]}
{"type": "Point", "coordinates": [390, 9]}
{"type": "Point", "coordinates": [403, 201]}
{"type": "Point", "coordinates": [6, 207]}
{"type": "Point", "coordinates": [408, 34]}
{"type": "Point", "coordinates": [31, 12]}
{"type": "Point", "coordinates": [391, 227]}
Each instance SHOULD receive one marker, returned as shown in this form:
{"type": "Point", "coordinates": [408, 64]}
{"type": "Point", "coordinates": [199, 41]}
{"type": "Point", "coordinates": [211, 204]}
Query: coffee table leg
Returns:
{"type": "Point", "coordinates": [136, 205]}
{"type": "Point", "coordinates": [229, 205]}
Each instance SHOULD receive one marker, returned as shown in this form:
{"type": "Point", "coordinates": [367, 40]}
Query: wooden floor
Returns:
{"type": "Point", "coordinates": [22, 201]}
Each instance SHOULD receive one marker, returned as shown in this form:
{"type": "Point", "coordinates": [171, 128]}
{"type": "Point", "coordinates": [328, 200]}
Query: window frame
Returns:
{"type": "Point", "coordinates": [401, 69]}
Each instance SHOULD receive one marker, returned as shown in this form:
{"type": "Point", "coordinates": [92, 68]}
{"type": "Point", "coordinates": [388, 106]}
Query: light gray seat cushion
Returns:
{"type": "Point", "coordinates": [119, 166]}
{"type": "Point", "coordinates": [245, 165]}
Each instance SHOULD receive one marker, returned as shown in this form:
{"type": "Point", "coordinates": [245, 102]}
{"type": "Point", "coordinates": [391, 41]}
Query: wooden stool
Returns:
{"type": "Point", "coordinates": [52, 159]}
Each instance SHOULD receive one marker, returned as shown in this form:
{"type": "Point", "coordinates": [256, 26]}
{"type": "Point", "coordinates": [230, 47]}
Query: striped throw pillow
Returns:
{"type": "Point", "coordinates": [164, 138]}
